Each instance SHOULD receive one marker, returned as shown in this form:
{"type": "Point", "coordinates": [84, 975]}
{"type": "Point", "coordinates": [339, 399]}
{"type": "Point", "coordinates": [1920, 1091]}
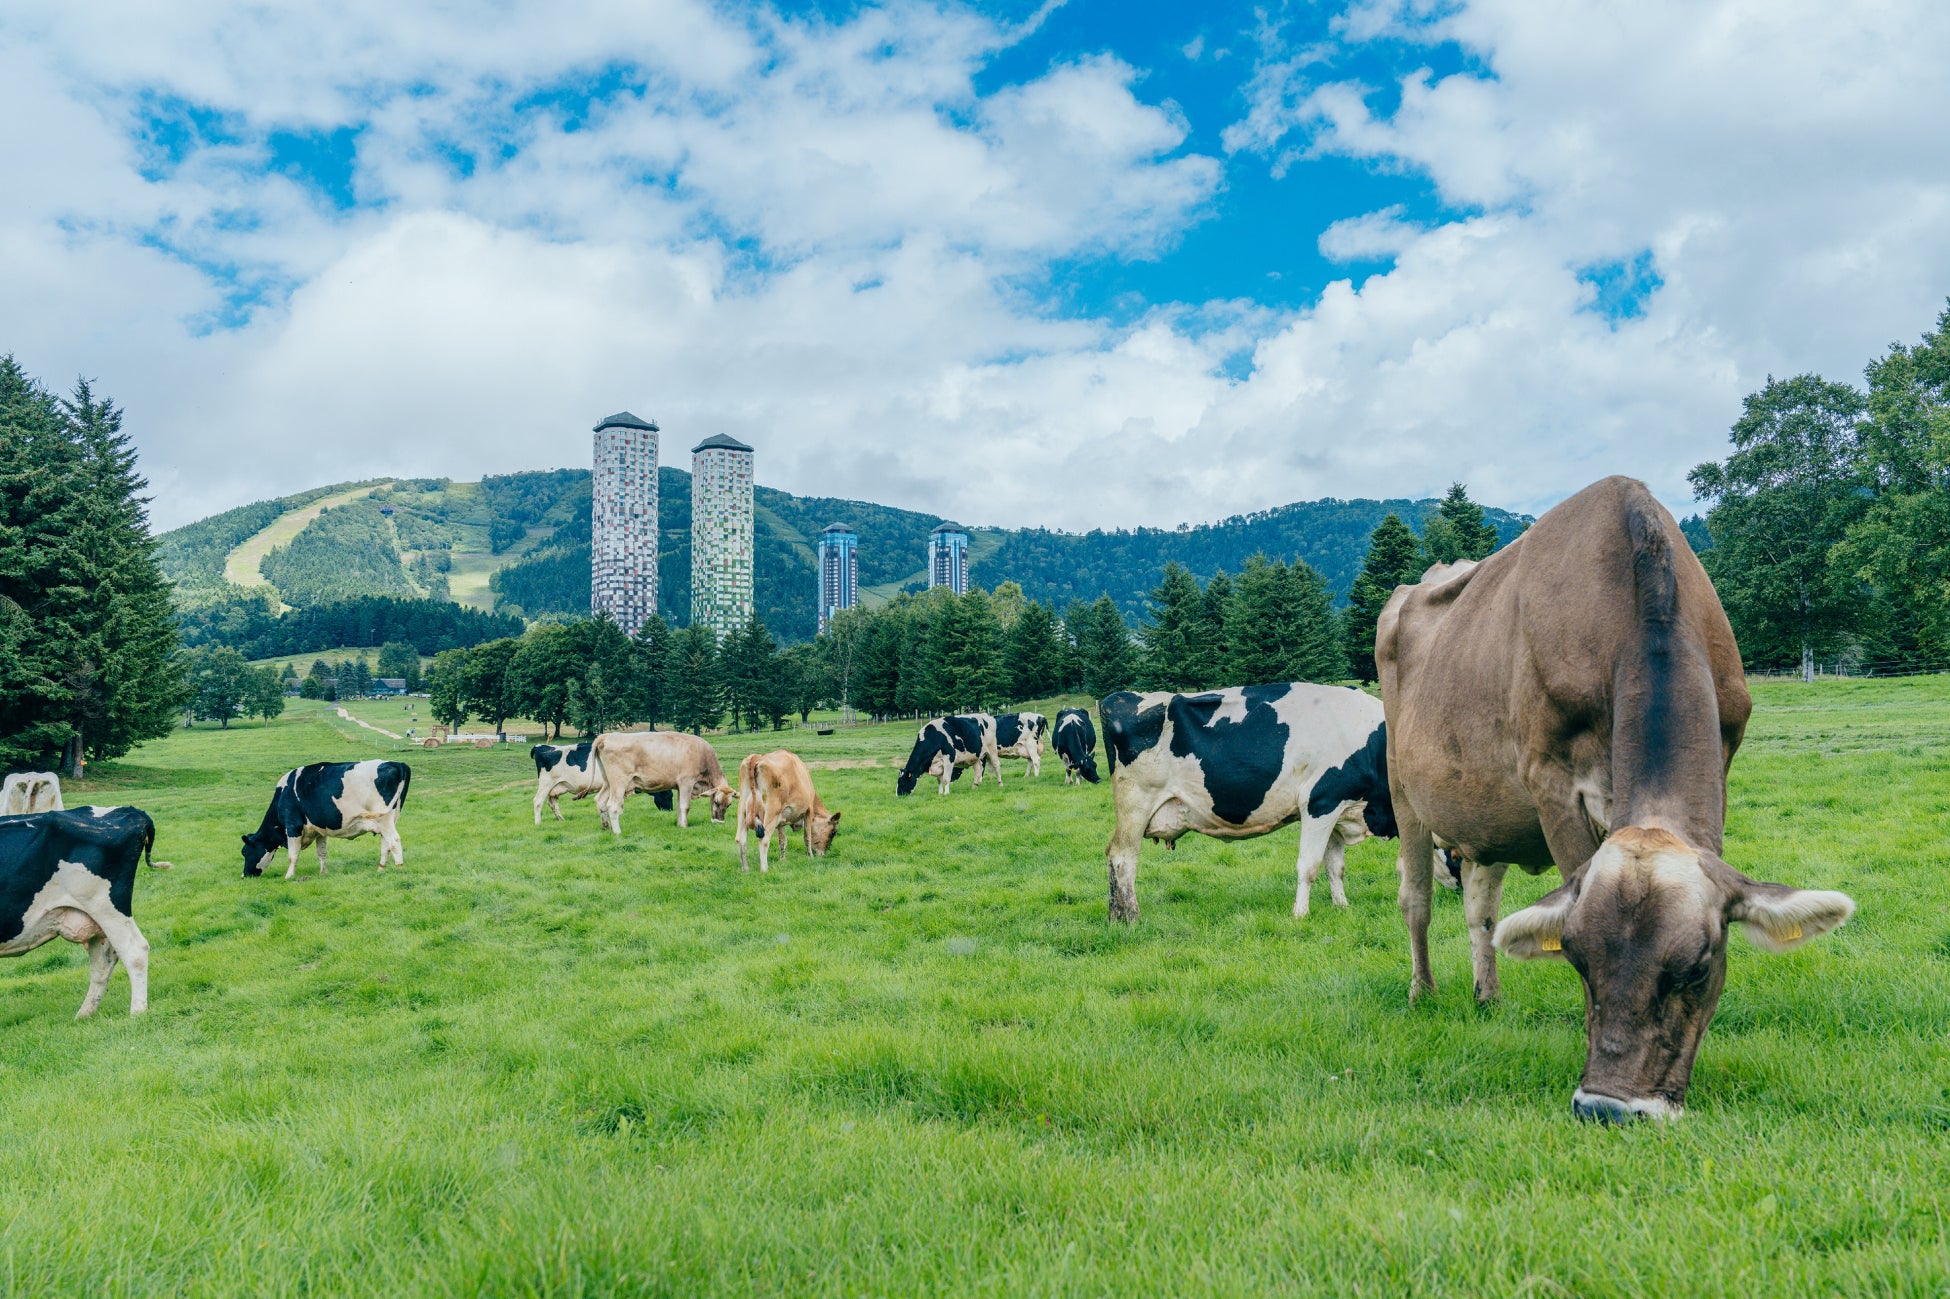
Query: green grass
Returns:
{"type": "Point", "coordinates": [545, 1062]}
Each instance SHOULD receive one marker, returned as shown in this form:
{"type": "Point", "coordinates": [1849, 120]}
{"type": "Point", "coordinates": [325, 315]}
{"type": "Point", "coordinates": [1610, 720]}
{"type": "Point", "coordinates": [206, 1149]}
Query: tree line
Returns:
{"type": "Point", "coordinates": [88, 653]}
{"type": "Point", "coordinates": [248, 620]}
{"type": "Point", "coordinates": [586, 673]}
{"type": "Point", "coordinates": [1830, 521]}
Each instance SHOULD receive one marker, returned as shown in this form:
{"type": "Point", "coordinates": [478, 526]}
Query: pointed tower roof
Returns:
{"type": "Point", "coordinates": [623, 419]}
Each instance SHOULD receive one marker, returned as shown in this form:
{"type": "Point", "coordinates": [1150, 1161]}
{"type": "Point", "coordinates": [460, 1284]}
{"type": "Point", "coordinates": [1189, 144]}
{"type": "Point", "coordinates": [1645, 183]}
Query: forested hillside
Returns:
{"type": "Point", "coordinates": [1056, 568]}
{"type": "Point", "coordinates": [536, 526]}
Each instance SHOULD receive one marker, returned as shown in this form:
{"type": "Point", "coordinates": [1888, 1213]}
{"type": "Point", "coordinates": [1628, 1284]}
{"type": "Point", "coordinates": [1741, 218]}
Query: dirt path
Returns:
{"type": "Point", "coordinates": [369, 726]}
{"type": "Point", "coordinates": [242, 567]}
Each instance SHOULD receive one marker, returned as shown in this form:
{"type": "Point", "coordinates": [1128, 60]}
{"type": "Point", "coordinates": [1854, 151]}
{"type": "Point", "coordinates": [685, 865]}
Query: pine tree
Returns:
{"type": "Point", "coordinates": [94, 665]}
{"type": "Point", "coordinates": [1171, 635]}
{"type": "Point", "coordinates": [693, 689]}
{"type": "Point", "coordinates": [1318, 655]}
{"type": "Point", "coordinates": [1104, 649]}
{"type": "Point", "coordinates": [1263, 624]}
{"type": "Point", "coordinates": [1033, 654]}
{"type": "Point", "coordinates": [1394, 557]}
{"type": "Point", "coordinates": [1457, 530]}
{"type": "Point", "coordinates": [1212, 651]}
{"type": "Point", "coordinates": [964, 653]}
{"type": "Point", "coordinates": [649, 652]}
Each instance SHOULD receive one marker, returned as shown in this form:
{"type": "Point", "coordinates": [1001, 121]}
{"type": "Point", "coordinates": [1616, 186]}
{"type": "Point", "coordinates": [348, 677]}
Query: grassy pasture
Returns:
{"type": "Point", "coordinates": [539, 1061]}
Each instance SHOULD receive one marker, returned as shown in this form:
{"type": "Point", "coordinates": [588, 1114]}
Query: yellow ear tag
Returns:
{"type": "Point", "coordinates": [1551, 944]}
{"type": "Point", "coordinates": [1791, 935]}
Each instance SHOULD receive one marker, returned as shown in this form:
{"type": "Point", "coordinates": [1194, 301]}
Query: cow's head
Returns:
{"type": "Point", "coordinates": [1087, 768]}
{"type": "Point", "coordinates": [930, 750]}
{"type": "Point", "coordinates": [721, 796]}
{"type": "Point", "coordinates": [257, 851]}
{"type": "Point", "coordinates": [820, 830]}
{"type": "Point", "coordinates": [1645, 922]}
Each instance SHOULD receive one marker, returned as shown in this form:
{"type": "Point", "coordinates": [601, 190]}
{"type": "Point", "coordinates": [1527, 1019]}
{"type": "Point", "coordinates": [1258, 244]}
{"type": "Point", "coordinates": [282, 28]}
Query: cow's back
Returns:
{"type": "Point", "coordinates": [1492, 674]}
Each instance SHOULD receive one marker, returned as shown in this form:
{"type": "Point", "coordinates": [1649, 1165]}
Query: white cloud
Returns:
{"type": "Point", "coordinates": [816, 236]}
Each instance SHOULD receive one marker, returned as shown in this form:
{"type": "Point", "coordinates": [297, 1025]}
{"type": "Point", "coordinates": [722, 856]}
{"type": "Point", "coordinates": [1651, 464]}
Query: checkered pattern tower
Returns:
{"type": "Point", "coordinates": [623, 541]}
{"type": "Point", "coordinates": [721, 535]}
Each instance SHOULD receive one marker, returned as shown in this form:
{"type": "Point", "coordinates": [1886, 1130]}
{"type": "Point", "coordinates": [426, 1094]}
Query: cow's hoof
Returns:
{"type": "Point", "coordinates": [1417, 989]}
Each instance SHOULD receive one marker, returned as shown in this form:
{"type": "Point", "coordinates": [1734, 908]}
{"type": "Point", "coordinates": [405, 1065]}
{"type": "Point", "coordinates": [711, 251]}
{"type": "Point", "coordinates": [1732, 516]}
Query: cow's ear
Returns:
{"type": "Point", "coordinates": [1780, 919]}
{"type": "Point", "coordinates": [833, 819]}
{"type": "Point", "coordinates": [1537, 931]}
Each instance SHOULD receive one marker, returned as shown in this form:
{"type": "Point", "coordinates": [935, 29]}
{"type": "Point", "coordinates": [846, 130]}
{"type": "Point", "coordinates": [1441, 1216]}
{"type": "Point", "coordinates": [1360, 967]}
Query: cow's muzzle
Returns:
{"type": "Point", "coordinates": [1595, 1108]}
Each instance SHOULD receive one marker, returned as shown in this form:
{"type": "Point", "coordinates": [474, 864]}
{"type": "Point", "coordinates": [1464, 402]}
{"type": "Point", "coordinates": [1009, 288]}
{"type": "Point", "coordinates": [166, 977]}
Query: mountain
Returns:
{"type": "Point", "coordinates": [520, 543]}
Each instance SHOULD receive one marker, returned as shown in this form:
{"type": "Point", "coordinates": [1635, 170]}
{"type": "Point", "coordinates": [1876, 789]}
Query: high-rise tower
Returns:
{"type": "Point", "coordinates": [721, 535]}
{"type": "Point", "coordinates": [839, 571]}
{"type": "Point", "coordinates": [623, 540]}
{"type": "Point", "coordinates": [948, 558]}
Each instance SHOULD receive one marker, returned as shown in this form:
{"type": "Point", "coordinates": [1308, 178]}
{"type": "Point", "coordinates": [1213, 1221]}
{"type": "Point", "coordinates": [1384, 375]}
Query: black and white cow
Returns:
{"type": "Point", "coordinates": [946, 745]}
{"type": "Point", "coordinates": [572, 769]}
{"type": "Point", "coordinates": [1242, 762]}
{"type": "Point", "coordinates": [1075, 741]}
{"type": "Point", "coordinates": [331, 800]}
{"type": "Point", "coordinates": [1021, 735]}
{"type": "Point", "coordinates": [564, 769]}
{"type": "Point", "coordinates": [72, 875]}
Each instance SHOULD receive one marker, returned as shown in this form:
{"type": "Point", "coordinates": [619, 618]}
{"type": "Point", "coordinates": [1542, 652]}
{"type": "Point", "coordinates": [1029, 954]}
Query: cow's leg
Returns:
{"type": "Point", "coordinates": [101, 964]}
{"type": "Point", "coordinates": [744, 824]}
{"type": "Point", "coordinates": [609, 809]}
{"type": "Point", "coordinates": [321, 855]}
{"type": "Point", "coordinates": [1316, 833]}
{"type": "Point", "coordinates": [683, 807]}
{"type": "Point", "coordinates": [542, 799]}
{"type": "Point", "coordinates": [389, 844]}
{"type": "Point", "coordinates": [555, 805]}
{"type": "Point", "coordinates": [1482, 895]}
{"type": "Point", "coordinates": [1415, 863]}
{"type": "Point", "coordinates": [1122, 855]}
{"type": "Point", "coordinates": [997, 760]}
{"type": "Point", "coordinates": [292, 844]}
{"type": "Point", "coordinates": [1337, 868]}
{"type": "Point", "coordinates": [131, 948]}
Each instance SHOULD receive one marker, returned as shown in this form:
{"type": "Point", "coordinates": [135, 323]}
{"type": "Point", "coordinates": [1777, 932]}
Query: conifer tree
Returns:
{"type": "Point", "coordinates": [693, 687]}
{"type": "Point", "coordinates": [1457, 530]}
{"type": "Point", "coordinates": [1394, 557]}
{"type": "Point", "coordinates": [1171, 635]}
{"type": "Point", "coordinates": [1105, 653]}
{"type": "Point", "coordinates": [89, 634]}
{"type": "Point", "coordinates": [1033, 654]}
{"type": "Point", "coordinates": [1212, 651]}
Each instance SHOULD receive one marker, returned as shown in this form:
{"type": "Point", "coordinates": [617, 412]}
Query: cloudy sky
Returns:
{"type": "Point", "coordinates": [1095, 263]}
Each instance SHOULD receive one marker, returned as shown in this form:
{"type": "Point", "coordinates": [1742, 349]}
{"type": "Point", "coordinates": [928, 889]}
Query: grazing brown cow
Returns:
{"type": "Point", "coordinates": [1575, 700]}
{"type": "Point", "coordinates": [652, 761]}
{"type": "Point", "coordinates": [776, 791]}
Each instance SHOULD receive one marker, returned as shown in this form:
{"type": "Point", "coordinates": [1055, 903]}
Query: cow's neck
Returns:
{"type": "Point", "coordinates": [1668, 769]}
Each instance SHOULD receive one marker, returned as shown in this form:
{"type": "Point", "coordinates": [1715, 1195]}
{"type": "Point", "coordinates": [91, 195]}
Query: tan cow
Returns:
{"type": "Point", "coordinates": [653, 761]}
{"type": "Point", "coordinates": [1575, 700]}
{"type": "Point", "coordinates": [30, 791]}
{"type": "Point", "coordinates": [776, 791]}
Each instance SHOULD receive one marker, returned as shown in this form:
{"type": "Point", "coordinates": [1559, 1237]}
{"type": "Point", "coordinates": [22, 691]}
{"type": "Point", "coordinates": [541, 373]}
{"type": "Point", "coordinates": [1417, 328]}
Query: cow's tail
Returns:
{"type": "Point", "coordinates": [748, 794]}
{"type": "Point", "coordinates": [148, 847]}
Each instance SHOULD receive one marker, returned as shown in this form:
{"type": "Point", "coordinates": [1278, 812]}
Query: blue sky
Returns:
{"type": "Point", "coordinates": [1076, 264]}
